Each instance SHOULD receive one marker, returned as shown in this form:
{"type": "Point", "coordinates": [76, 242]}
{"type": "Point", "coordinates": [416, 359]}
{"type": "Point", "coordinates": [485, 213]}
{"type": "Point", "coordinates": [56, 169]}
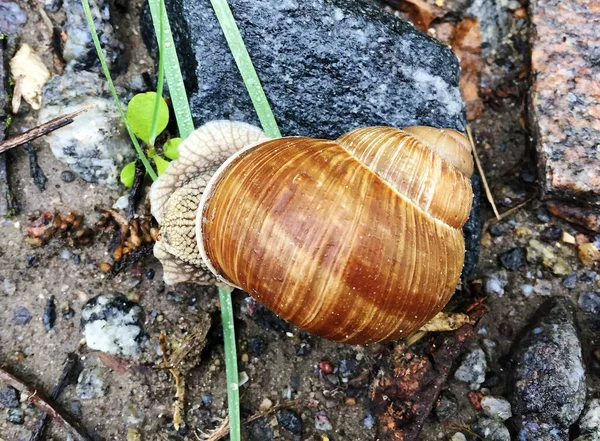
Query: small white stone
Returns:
{"type": "Point", "coordinates": [265, 405]}
{"type": "Point", "coordinates": [496, 407]}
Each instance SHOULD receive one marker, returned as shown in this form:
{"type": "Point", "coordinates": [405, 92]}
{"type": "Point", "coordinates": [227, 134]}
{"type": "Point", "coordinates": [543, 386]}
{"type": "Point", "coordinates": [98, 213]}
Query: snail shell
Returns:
{"type": "Point", "coordinates": [356, 240]}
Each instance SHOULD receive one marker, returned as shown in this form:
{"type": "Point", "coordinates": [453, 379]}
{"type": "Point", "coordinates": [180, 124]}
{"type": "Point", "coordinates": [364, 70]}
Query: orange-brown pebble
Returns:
{"type": "Point", "coordinates": [588, 254]}
{"type": "Point", "coordinates": [105, 267]}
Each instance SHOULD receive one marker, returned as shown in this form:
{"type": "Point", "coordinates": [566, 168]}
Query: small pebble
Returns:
{"type": "Point", "coordinates": [21, 316]}
{"type": "Point", "coordinates": [16, 416]}
{"type": "Point", "coordinates": [65, 254]}
{"type": "Point", "coordinates": [256, 346]}
{"type": "Point", "coordinates": [496, 407]}
{"type": "Point", "coordinates": [495, 283]}
{"type": "Point", "coordinates": [68, 313]}
{"type": "Point", "coordinates": [76, 259]}
{"type": "Point", "coordinates": [551, 234]}
{"type": "Point", "coordinates": [472, 369]}
{"type": "Point", "coordinates": [207, 399]}
{"type": "Point", "coordinates": [368, 422]}
{"type": "Point", "coordinates": [290, 420]}
{"type": "Point", "coordinates": [589, 254]}
{"type": "Point", "coordinates": [542, 215]}
{"type": "Point", "coordinates": [149, 273]}
{"type": "Point", "coordinates": [526, 290]}
{"type": "Point", "coordinates": [513, 259]}
{"type": "Point", "coordinates": [9, 397]}
{"type": "Point", "coordinates": [303, 350]}
{"type": "Point", "coordinates": [589, 422]}
{"type": "Point", "coordinates": [498, 230]}
{"type": "Point", "coordinates": [29, 261]}
{"type": "Point", "coordinates": [265, 405]}
{"type": "Point", "coordinates": [90, 385]}
{"type": "Point", "coordinates": [568, 238]}
{"type": "Point", "coordinates": [458, 436]}
{"type": "Point", "coordinates": [322, 422]}
{"type": "Point", "coordinates": [49, 316]}
{"type": "Point", "coordinates": [67, 176]}
{"type": "Point", "coordinates": [570, 281]}
{"type": "Point", "coordinates": [326, 367]}
{"type": "Point", "coordinates": [133, 435]}
{"type": "Point", "coordinates": [9, 287]}
{"type": "Point", "coordinates": [589, 302]}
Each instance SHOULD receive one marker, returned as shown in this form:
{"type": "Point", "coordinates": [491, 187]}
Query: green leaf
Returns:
{"type": "Point", "coordinates": [161, 164]}
{"type": "Point", "coordinates": [128, 175]}
{"type": "Point", "coordinates": [140, 112]}
{"type": "Point", "coordinates": [171, 148]}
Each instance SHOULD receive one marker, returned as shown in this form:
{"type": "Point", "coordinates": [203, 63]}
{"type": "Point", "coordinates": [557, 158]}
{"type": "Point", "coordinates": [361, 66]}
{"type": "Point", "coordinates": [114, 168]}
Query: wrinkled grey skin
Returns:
{"type": "Point", "coordinates": [549, 377]}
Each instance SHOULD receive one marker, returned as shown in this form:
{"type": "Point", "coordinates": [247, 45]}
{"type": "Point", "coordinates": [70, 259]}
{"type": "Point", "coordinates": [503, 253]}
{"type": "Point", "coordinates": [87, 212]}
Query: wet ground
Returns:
{"type": "Point", "coordinates": [280, 362]}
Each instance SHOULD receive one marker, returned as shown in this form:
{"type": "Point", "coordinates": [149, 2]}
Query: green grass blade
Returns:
{"type": "Point", "coordinates": [161, 74]}
{"type": "Point", "coordinates": [172, 70]}
{"type": "Point", "coordinates": [244, 64]}
{"type": "Point", "coordinates": [233, 392]}
{"type": "Point", "coordinates": [140, 152]}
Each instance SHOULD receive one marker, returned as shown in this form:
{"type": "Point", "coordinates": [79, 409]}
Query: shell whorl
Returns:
{"type": "Point", "coordinates": [349, 241]}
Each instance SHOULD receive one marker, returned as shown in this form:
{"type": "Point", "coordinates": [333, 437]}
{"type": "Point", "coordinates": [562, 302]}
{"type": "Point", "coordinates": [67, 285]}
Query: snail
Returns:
{"type": "Point", "coordinates": [356, 240]}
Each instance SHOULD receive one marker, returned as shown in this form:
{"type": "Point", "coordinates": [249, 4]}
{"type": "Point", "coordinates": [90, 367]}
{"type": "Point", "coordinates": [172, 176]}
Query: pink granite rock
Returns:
{"type": "Point", "coordinates": [565, 98]}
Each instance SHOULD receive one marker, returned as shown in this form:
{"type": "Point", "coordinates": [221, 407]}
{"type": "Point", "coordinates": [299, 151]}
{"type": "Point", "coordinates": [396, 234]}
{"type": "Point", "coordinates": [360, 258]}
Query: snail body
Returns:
{"type": "Point", "coordinates": [355, 240]}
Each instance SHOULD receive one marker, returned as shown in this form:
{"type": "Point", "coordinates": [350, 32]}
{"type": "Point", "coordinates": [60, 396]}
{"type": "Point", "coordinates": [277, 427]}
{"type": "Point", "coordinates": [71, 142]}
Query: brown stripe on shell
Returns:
{"type": "Point", "coordinates": [319, 238]}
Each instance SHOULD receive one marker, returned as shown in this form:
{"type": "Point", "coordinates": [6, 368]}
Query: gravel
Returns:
{"type": "Point", "coordinates": [90, 385]}
{"type": "Point", "coordinates": [290, 420]}
{"type": "Point", "coordinates": [589, 302]}
{"type": "Point", "coordinates": [496, 407]}
{"type": "Point", "coordinates": [9, 397]}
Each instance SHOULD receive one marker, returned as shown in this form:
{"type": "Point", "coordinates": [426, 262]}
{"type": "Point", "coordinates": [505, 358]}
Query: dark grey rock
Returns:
{"type": "Point", "coordinates": [472, 229]}
{"type": "Point", "coordinates": [78, 49]}
{"type": "Point", "coordinates": [570, 281]}
{"type": "Point", "coordinates": [446, 406]}
{"type": "Point", "coordinates": [589, 302]}
{"type": "Point", "coordinates": [348, 368]}
{"type": "Point", "coordinates": [256, 346]}
{"type": "Point", "coordinates": [113, 324]}
{"type": "Point", "coordinates": [12, 18]}
{"type": "Point", "coordinates": [9, 397]}
{"type": "Point", "coordinates": [21, 316]}
{"type": "Point", "coordinates": [90, 385]}
{"type": "Point", "coordinates": [512, 259]}
{"type": "Point", "coordinates": [542, 214]}
{"type": "Point", "coordinates": [491, 429]}
{"type": "Point", "coordinates": [290, 420]}
{"type": "Point", "coordinates": [16, 416]}
{"type": "Point", "coordinates": [95, 146]}
{"type": "Point", "coordinates": [326, 66]}
{"type": "Point", "coordinates": [49, 316]}
{"type": "Point", "coordinates": [548, 375]}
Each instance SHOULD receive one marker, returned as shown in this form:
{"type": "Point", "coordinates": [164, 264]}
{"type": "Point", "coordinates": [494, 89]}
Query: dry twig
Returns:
{"type": "Point", "coordinates": [488, 192]}
{"type": "Point", "coordinates": [44, 405]}
{"type": "Point", "coordinates": [41, 130]}
{"type": "Point", "coordinates": [66, 376]}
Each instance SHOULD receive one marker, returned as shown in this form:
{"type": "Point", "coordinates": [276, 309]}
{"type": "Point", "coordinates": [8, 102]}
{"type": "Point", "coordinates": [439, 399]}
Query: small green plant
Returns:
{"type": "Point", "coordinates": [147, 121]}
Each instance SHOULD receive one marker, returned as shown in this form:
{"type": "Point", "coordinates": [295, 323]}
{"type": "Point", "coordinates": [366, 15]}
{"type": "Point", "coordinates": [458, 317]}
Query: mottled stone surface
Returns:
{"type": "Point", "coordinates": [326, 66]}
{"type": "Point", "coordinates": [95, 146]}
{"type": "Point", "coordinates": [548, 375]}
{"type": "Point", "coordinates": [565, 97]}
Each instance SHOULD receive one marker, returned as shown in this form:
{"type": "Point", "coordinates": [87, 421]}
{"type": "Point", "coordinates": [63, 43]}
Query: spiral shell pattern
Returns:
{"type": "Point", "coordinates": [357, 240]}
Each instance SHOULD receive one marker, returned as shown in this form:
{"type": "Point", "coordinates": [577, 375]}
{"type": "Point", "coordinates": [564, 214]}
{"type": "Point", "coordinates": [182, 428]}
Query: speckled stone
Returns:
{"type": "Point", "coordinates": [565, 97]}
{"type": "Point", "coordinates": [326, 66]}
{"type": "Point", "coordinates": [548, 375]}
